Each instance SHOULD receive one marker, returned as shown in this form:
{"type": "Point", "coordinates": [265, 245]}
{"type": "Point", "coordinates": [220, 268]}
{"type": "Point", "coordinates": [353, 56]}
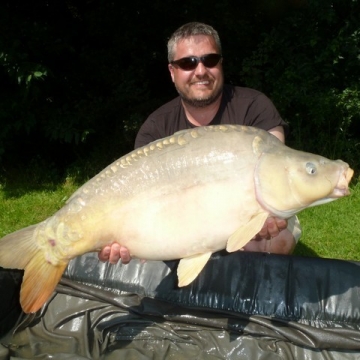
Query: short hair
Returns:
{"type": "Point", "coordinates": [188, 30]}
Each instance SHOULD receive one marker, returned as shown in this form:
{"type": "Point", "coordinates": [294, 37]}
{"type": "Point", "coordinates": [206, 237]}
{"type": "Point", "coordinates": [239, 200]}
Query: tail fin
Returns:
{"type": "Point", "coordinates": [19, 250]}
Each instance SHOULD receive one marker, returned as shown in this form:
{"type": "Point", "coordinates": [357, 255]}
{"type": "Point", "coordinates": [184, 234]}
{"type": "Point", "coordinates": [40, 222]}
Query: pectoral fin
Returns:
{"type": "Point", "coordinates": [190, 267]}
{"type": "Point", "coordinates": [246, 232]}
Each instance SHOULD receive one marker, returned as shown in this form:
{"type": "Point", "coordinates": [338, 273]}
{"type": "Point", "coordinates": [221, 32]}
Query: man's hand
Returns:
{"type": "Point", "coordinates": [272, 227]}
{"type": "Point", "coordinates": [113, 253]}
{"type": "Point", "coordinates": [273, 238]}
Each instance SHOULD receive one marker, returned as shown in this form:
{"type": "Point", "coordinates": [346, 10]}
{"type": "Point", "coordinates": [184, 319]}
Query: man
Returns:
{"type": "Point", "coordinates": [195, 65]}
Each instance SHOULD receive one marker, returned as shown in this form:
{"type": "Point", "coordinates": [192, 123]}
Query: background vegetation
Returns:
{"type": "Point", "coordinates": [78, 77]}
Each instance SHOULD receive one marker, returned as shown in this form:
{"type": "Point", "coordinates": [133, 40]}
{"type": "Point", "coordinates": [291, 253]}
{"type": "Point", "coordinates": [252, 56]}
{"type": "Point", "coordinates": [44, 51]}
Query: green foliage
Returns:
{"type": "Point", "coordinates": [78, 77]}
{"type": "Point", "coordinates": [310, 65]}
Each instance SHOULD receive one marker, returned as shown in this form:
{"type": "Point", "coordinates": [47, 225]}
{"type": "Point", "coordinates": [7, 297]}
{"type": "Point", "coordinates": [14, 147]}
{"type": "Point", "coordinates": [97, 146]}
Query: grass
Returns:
{"type": "Point", "coordinates": [22, 206]}
{"type": "Point", "coordinates": [329, 231]}
{"type": "Point", "coordinates": [332, 230]}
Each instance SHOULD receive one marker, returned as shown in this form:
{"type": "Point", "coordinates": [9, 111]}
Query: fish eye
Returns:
{"type": "Point", "coordinates": [310, 168]}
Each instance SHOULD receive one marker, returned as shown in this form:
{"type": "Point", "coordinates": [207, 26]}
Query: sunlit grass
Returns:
{"type": "Point", "coordinates": [332, 230]}
{"type": "Point", "coordinates": [31, 206]}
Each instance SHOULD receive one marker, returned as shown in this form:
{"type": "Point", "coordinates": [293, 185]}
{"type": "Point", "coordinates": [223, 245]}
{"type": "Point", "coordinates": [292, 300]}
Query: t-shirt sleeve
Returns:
{"type": "Point", "coordinates": [163, 122]}
{"type": "Point", "coordinates": [264, 114]}
{"type": "Point", "coordinates": [147, 133]}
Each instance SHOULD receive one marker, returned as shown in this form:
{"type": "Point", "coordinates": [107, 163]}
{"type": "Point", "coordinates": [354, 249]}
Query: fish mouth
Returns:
{"type": "Point", "coordinates": [342, 187]}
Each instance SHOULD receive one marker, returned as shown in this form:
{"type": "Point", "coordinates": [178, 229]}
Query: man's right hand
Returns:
{"type": "Point", "coordinates": [113, 253]}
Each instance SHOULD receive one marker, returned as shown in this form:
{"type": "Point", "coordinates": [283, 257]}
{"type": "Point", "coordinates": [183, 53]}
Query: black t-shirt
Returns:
{"type": "Point", "coordinates": [239, 105]}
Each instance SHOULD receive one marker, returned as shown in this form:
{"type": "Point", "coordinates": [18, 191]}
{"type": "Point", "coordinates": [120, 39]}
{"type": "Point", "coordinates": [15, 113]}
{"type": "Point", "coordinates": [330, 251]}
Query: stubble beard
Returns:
{"type": "Point", "coordinates": [200, 102]}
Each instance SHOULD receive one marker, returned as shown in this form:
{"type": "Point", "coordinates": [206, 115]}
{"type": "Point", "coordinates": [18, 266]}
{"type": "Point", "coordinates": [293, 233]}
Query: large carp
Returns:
{"type": "Point", "coordinates": [182, 197]}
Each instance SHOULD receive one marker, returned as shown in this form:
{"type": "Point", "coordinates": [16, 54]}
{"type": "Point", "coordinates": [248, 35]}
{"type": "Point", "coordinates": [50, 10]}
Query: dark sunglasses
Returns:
{"type": "Point", "coordinates": [191, 62]}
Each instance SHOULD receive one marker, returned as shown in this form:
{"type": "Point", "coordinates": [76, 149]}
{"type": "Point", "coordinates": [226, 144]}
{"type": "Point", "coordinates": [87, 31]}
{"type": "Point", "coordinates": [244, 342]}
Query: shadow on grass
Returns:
{"type": "Point", "coordinates": [19, 182]}
{"type": "Point", "coordinates": [303, 250]}
{"type": "Point", "coordinates": [17, 190]}
{"type": "Point", "coordinates": [14, 187]}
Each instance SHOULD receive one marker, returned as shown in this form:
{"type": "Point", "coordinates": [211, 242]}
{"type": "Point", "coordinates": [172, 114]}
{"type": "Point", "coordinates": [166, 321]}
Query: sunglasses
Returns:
{"type": "Point", "coordinates": [191, 62]}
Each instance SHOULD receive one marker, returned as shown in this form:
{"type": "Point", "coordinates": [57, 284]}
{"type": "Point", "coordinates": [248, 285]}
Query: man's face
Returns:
{"type": "Point", "coordinates": [202, 85]}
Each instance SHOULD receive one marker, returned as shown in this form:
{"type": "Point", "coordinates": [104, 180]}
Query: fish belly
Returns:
{"type": "Point", "coordinates": [192, 221]}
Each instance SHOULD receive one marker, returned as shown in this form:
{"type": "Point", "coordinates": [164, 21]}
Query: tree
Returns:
{"type": "Point", "coordinates": [309, 63]}
{"type": "Point", "coordinates": [79, 77]}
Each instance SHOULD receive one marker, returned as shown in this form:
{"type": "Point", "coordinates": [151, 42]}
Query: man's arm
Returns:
{"type": "Point", "coordinates": [278, 131]}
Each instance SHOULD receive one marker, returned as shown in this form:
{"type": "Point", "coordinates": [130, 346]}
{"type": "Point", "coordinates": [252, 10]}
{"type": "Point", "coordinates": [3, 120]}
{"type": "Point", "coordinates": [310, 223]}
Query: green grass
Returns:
{"type": "Point", "coordinates": [332, 230]}
{"type": "Point", "coordinates": [329, 231]}
{"type": "Point", "coordinates": [23, 205]}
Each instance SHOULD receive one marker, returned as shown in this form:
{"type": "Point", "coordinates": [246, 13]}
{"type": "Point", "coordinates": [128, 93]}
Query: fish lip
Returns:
{"type": "Point", "coordinates": [349, 174]}
{"type": "Point", "coordinates": [339, 193]}
{"type": "Point", "coordinates": [342, 188]}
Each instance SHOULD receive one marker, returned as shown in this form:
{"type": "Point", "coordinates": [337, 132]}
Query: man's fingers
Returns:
{"type": "Point", "coordinates": [125, 255]}
{"type": "Point", "coordinates": [114, 253]}
{"type": "Point", "coordinates": [104, 253]}
{"type": "Point", "coordinates": [272, 227]}
{"type": "Point", "coordinates": [281, 223]}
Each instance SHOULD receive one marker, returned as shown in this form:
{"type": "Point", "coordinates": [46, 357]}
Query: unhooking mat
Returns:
{"type": "Point", "coordinates": [242, 306]}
